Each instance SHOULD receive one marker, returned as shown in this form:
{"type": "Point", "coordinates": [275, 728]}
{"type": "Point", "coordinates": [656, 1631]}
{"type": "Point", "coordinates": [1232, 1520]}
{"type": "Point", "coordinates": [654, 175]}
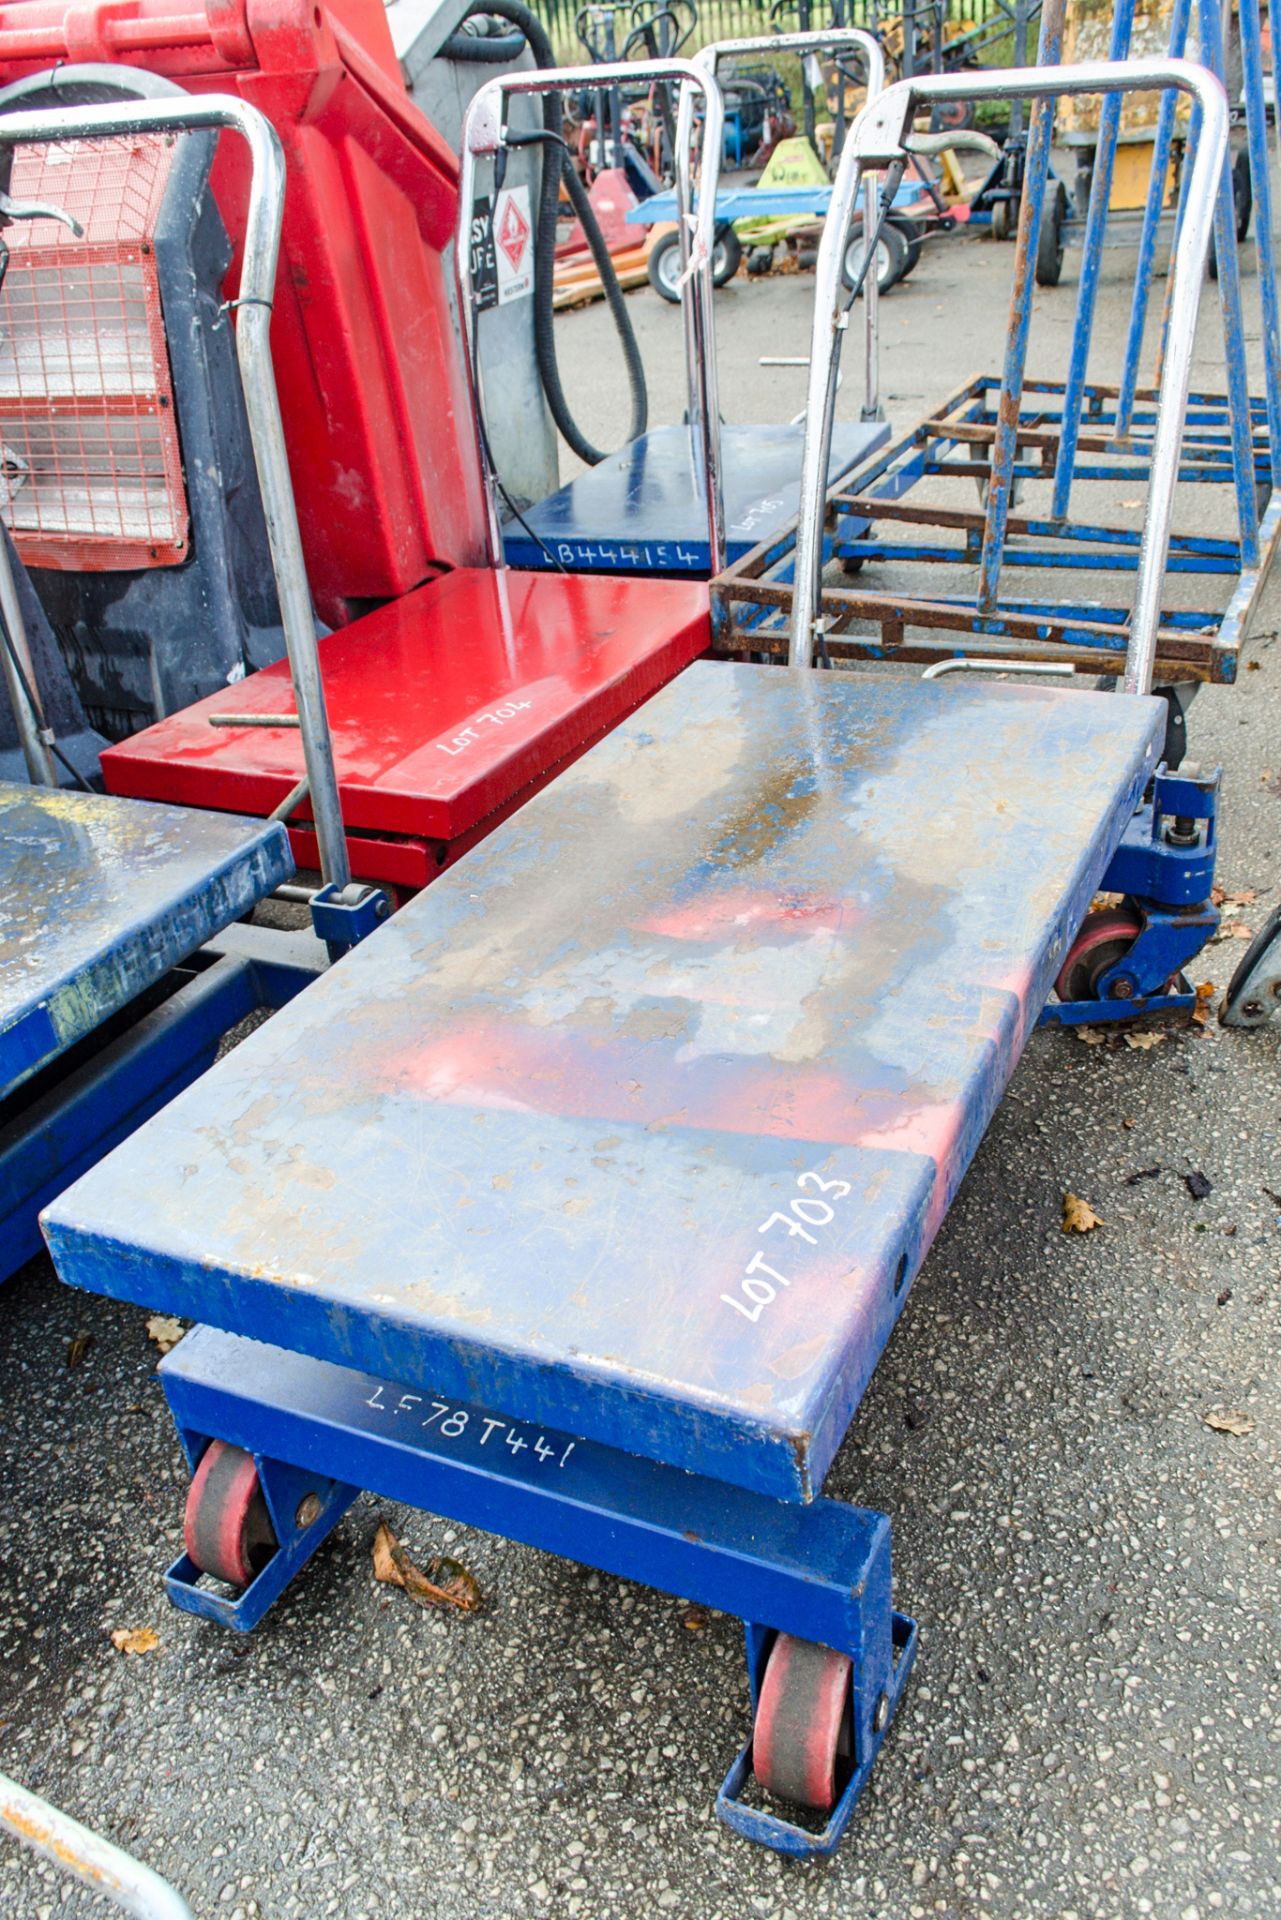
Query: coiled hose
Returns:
{"type": "Point", "coordinates": [491, 50]}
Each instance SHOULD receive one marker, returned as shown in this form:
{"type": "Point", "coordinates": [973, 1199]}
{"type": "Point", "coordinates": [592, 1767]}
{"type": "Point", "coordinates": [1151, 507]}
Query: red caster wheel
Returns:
{"type": "Point", "coordinates": [227, 1529]}
{"type": "Point", "coordinates": [1102, 944]}
{"type": "Point", "coordinates": [802, 1745]}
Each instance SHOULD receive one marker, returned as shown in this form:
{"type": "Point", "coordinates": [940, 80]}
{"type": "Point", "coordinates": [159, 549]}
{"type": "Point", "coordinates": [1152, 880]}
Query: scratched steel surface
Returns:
{"type": "Point", "coordinates": [100, 897]}
{"type": "Point", "coordinates": [444, 705]}
{"type": "Point", "coordinates": [642, 511]}
{"type": "Point", "coordinates": [640, 1121]}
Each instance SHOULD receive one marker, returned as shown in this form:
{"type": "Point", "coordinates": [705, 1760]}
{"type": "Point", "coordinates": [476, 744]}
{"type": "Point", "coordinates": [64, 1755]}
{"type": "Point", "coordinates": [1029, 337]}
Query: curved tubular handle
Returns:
{"type": "Point", "coordinates": [262, 402]}
{"type": "Point", "coordinates": [880, 136]}
{"type": "Point", "coordinates": [88, 1857]}
{"type": "Point", "coordinates": [485, 131]}
{"type": "Point", "coordinates": [832, 40]}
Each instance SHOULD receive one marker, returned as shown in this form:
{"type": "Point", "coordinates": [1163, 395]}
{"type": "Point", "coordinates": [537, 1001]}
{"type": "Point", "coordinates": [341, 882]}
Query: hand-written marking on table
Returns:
{"type": "Point", "coordinates": [809, 1211]}
{"type": "Point", "coordinates": [457, 1420]}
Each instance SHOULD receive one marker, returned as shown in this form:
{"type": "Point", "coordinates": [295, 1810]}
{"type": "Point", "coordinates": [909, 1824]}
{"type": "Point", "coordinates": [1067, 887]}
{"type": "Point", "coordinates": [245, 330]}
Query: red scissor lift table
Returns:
{"type": "Point", "coordinates": [453, 692]}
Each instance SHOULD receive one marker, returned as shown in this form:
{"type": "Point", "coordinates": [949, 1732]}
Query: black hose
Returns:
{"type": "Point", "coordinates": [485, 49]}
{"type": "Point", "coordinates": [545, 245]}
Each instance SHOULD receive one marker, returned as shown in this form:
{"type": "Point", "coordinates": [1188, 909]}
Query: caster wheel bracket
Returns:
{"type": "Point", "coordinates": [304, 1508]}
{"type": "Point", "coordinates": [872, 1719]}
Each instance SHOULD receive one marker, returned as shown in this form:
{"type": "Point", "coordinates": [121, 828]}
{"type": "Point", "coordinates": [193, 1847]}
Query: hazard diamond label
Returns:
{"type": "Point", "coordinates": [513, 234]}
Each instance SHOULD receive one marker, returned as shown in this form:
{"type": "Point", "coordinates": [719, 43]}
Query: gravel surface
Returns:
{"type": "Point", "coordinates": [1092, 1726]}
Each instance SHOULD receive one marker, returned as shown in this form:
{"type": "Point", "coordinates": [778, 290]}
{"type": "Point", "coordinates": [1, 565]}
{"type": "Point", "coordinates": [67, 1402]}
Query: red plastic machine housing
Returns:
{"type": "Point", "coordinates": [372, 386]}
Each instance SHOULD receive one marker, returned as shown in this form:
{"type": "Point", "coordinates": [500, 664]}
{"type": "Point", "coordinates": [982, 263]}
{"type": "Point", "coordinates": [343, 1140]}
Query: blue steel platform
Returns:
{"type": "Point", "coordinates": [100, 902]}
{"type": "Point", "coordinates": [643, 511]}
{"type": "Point", "coordinates": [639, 1123]}
{"type": "Point", "coordinates": [100, 897]}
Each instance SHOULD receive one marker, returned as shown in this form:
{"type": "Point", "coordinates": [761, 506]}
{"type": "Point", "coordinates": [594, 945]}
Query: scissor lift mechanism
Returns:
{"type": "Point", "coordinates": [581, 1203]}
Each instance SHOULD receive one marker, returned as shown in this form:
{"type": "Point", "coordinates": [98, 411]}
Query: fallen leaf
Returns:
{"type": "Point", "coordinates": [1237, 1424]}
{"type": "Point", "coordinates": [1245, 898]}
{"type": "Point", "coordinates": [1254, 666]}
{"type": "Point", "coordinates": [135, 1639]}
{"type": "Point", "coordinates": [1077, 1216]}
{"type": "Point", "coordinates": [1197, 1185]}
{"type": "Point", "coordinates": [78, 1349]}
{"type": "Point", "coordinates": [165, 1330]}
{"type": "Point", "coordinates": [1145, 1040]}
{"type": "Point", "coordinates": [1091, 1036]}
{"type": "Point", "coordinates": [444, 1582]}
{"type": "Point", "coordinates": [1204, 998]}
{"type": "Point", "coordinates": [694, 1619]}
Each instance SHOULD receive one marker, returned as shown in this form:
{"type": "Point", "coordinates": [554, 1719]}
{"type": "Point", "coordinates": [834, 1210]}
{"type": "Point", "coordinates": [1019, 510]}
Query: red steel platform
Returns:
{"type": "Point", "coordinates": [448, 708]}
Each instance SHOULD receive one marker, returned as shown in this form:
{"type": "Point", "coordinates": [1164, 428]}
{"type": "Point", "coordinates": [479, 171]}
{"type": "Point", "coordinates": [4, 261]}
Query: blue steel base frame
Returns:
{"type": "Point", "coordinates": [751, 602]}
{"type": "Point", "coordinates": [319, 1432]}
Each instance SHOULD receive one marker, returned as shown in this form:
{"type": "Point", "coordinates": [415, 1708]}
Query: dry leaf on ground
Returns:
{"type": "Point", "coordinates": [1204, 998]}
{"type": "Point", "coordinates": [1144, 1040]}
{"type": "Point", "coordinates": [1078, 1216]}
{"type": "Point", "coordinates": [135, 1639]}
{"type": "Point", "coordinates": [78, 1348]}
{"type": "Point", "coordinates": [165, 1330]}
{"type": "Point", "coordinates": [1237, 1424]}
{"type": "Point", "coordinates": [443, 1583]}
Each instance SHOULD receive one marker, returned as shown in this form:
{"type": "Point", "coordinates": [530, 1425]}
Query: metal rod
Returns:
{"type": "Point", "coordinates": [879, 136]}
{"type": "Point", "coordinates": [962, 664]}
{"type": "Point", "coordinates": [260, 253]}
{"type": "Point", "coordinates": [20, 675]}
{"type": "Point", "coordinates": [253, 720]}
{"type": "Point", "coordinates": [1091, 263]}
{"type": "Point", "coordinates": [484, 133]}
{"type": "Point", "coordinates": [833, 40]}
{"type": "Point", "coordinates": [1256, 124]}
{"type": "Point", "coordinates": [1214, 57]}
{"type": "Point", "coordinates": [95, 1862]}
{"type": "Point", "coordinates": [1036, 173]}
{"type": "Point", "coordinates": [1148, 233]}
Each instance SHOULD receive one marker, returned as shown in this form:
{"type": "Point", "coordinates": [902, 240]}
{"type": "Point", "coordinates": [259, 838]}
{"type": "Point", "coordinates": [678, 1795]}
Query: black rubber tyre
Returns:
{"type": "Point", "coordinates": [911, 240]}
{"type": "Point", "coordinates": [1052, 244]}
{"type": "Point", "coordinates": [727, 254]}
{"type": "Point", "coordinates": [1242, 204]}
{"type": "Point", "coordinates": [1001, 219]}
{"type": "Point", "coordinates": [891, 255]}
{"type": "Point", "coordinates": [664, 263]}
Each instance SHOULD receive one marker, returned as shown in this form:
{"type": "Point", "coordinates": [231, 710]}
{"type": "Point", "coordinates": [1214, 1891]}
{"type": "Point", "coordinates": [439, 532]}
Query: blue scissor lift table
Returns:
{"type": "Point", "coordinates": [103, 1011]}
{"type": "Point", "coordinates": [642, 510]}
{"type": "Point", "coordinates": [579, 1202]}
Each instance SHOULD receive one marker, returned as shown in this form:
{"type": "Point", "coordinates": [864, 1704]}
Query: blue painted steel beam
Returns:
{"type": "Point", "coordinates": [1256, 121]}
{"type": "Point", "coordinates": [1091, 261]}
{"type": "Point", "coordinates": [1148, 235]}
{"type": "Point", "coordinates": [1036, 173]}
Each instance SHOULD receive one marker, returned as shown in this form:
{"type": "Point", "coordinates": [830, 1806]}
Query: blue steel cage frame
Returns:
{"type": "Point", "coordinates": [1006, 429]}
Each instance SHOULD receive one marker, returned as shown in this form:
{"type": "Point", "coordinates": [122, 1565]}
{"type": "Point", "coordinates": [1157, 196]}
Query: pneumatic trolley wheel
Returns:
{"type": "Point", "coordinates": [227, 1529]}
{"type": "Point", "coordinates": [802, 1740]}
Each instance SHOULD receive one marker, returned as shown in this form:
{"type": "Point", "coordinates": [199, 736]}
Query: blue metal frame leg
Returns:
{"type": "Point", "coordinates": [819, 1571]}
